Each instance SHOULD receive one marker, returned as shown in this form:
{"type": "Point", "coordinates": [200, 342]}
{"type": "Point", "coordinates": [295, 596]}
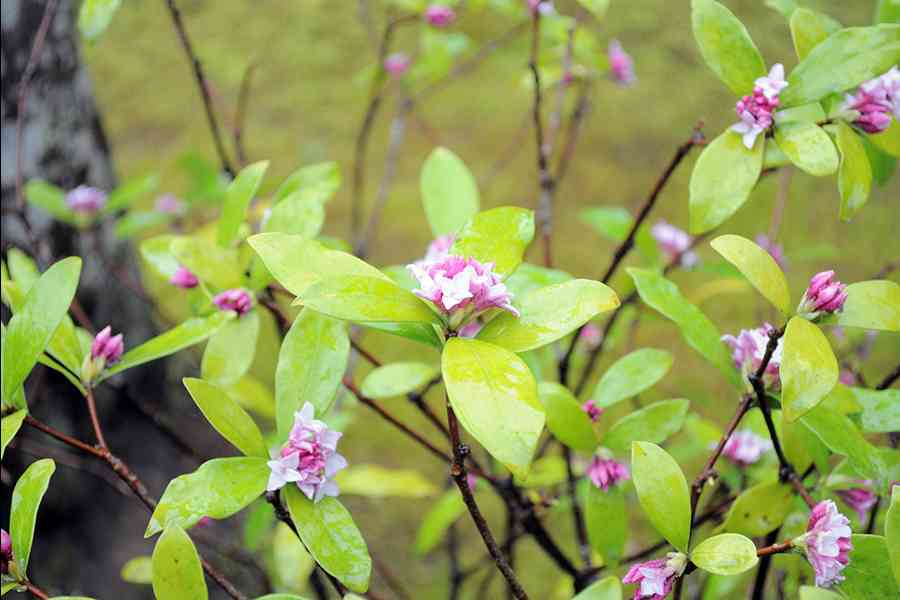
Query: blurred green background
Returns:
{"type": "Point", "coordinates": [306, 105]}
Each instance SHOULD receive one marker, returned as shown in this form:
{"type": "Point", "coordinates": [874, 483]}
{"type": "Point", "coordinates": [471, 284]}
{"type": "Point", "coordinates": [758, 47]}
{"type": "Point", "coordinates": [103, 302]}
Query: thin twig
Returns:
{"type": "Point", "coordinates": [759, 584]}
{"type": "Point", "coordinates": [240, 114]}
{"type": "Point", "coordinates": [92, 412]}
{"type": "Point", "coordinates": [34, 590]}
{"type": "Point", "coordinates": [544, 213]}
{"type": "Point", "coordinates": [584, 547]}
{"type": "Point", "coordinates": [889, 380]}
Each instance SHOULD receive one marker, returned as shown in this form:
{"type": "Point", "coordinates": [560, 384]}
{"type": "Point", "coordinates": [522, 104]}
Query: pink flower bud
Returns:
{"type": "Point", "coordinates": [396, 64]}
{"type": "Point", "coordinates": [439, 15]}
{"type": "Point", "coordinates": [471, 481]}
{"type": "Point", "coordinates": [827, 543]}
{"type": "Point", "coordinates": [6, 553]}
{"type": "Point", "coordinates": [236, 299]}
{"type": "Point", "coordinates": [847, 377]}
{"type": "Point", "coordinates": [755, 111]}
{"type": "Point", "coordinates": [591, 335]}
{"type": "Point", "coordinates": [184, 279]}
{"type": "Point", "coordinates": [860, 499]}
{"type": "Point", "coordinates": [204, 522]}
{"type": "Point", "coordinates": [748, 350]}
{"type": "Point", "coordinates": [107, 347]}
{"type": "Point", "coordinates": [470, 329]}
{"type": "Point", "coordinates": [744, 448]}
{"type": "Point", "coordinates": [871, 107]}
{"type": "Point", "coordinates": [656, 578]}
{"type": "Point", "coordinates": [544, 7]}
{"type": "Point", "coordinates": [674, 243]}
{"type": "Point", "coordinates": [621, 65]}
{"type": "Point", "coordinates": [439, 248]}
{"type": "Point", "coordinates": [169, 204]}
{"type": "Point", "coordinates": [605, 472]}
{"type": "Point", "coordinates": [85, 199]}
{"type": "Point", "coordinates": [593, 411]}
{"type": "Point", "coordinates": [824, 295]}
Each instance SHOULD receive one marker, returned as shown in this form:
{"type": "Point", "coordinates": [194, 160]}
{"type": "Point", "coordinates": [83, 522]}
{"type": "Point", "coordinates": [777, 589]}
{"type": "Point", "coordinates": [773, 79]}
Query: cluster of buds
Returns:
{"type": "Point", "coordinates": [748, 349]}
{"type": "Point", "coordinates": [396, 64]}
{"type": "Point", "coordinates": [106, 349]}
{"type": "Point", "coordinates": [6, 553]}
{"type": "Point", "coordinates": [169, 204]}
{"type": "Point", "coordinates": [826, 543]}
{"type": "Point", "coordinates": [824, 295]}
{"type": "Point", "coordinates": [870, 108]}
{"type": "Point", "coordinates": [860, 498]}
{"type": "Point", "coordinates": [184, 278]}
{"type": "Point", "coordinates": [439, 15]}
{"type": "Point", "coordinates": [745, 448]}
{"type": "Point", "coordinates": [309, 459]}
{"type": "Point", "coordinates": [621, 65]}
{"type": "Point", "coordinates": [605, 471]}
{"type": "Point", "coordinates": [592, 410]}
{"type": "Point", "coordinates": [674, 243]}
{"type": "Point", "coordinates": [236, 300]}
{"type": "Point", "coordinates": [775, 250]}
{"type": "Point", "coordinates": [461, 288]}
{"type": "Point", "coordinates": [85, 200]}
{"type": "Point", "coordinates": [755, 110]}
{"type": "Point", "coordinates": [656, 578]}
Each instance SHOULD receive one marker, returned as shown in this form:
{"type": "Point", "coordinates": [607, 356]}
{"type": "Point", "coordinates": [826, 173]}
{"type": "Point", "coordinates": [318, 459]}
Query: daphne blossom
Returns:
{"type": "Point", "coordinates": [439, 15]}
{"type": "Point", "coordinates": [860, 498]}
{"type": "Point", "coordinates": [873, 103]}
{"type": "Point", "coordinates": [168, 204]}
{"type": "Point", "coordinates": [826, 543]}
{"type": "Point", "coordinates": [745, 447]}
{"type": "Point", "coordinates": [6, 552]}
{"type": "Point", "coordinates": [237, 300]}
{"type": "Point", "coordinates": [748, 349]}
{"type": "Point", "coordinates": [106, 349]}
{"type": "Point", "coordinates": [544, 7]}
{"type": "Point", "coordinates": [590, 335]}
{"type": "Point", "coordinates": [755, 110]}
{"type": "Point", "coordinates": [309, 459]}
{"type": "Point", "coordinates": [184, 278]}
{"type": "Point", "coordinates": [825, 294]}
{"type": "Point", "coordinates": [592, 410]}
{"type": "Point", "coordinates": [439, 248]}
{"type": "Point", "coordinates": [85, 199]}
{"type": "Point", "coordinates": [396, 64]}
{"type": "Point", "coordinates": [605, 472]}
{"type": "Point", "coordinates": [621, 65]}
{"type": "Point", "coordinates": [674, 243]}
{"type": "Point", "coordinates": [656, 578]}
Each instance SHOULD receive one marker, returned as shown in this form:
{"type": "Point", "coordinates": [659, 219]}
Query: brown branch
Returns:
{"type": "Point", "coordinates": [889, 380]}
{"type": "Point", "coordinates": [240, 114]}
{"type": "Point", "coordinates": [584, 547]}
{"type": "Point", "coordinates": [92, 412]}
{"type": "Point", "coordinates": [544, 214]}
{"type": "Point", "coordinates": [34, 590]}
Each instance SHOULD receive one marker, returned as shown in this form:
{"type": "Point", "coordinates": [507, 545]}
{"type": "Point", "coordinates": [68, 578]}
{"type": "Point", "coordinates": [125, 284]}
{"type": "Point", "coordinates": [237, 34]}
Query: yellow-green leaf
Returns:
{"type": "Point", "coordinates": [176, 568]}
{"type": "Point", "coordinates": [663, 492]}
{"type": "Point", "coordinates": [809, 369]}
{"type": "Point", "coordinates": [758, 266]}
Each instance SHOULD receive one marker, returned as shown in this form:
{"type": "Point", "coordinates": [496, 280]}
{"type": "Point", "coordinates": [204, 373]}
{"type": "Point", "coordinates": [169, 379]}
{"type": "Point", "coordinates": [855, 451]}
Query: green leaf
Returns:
{"type": "Point", "coordinates": [653, 423]}
{"type": "Point", "coordinates": [872, 305]}
{"type": "Point", "coordinates": [888, 143]}
{"type": "Point", "coordinates": [444, 512]}
{"type": "Point", "coordinates": [218, 489]}
{"type": "Point", "coordinates": [8, 587]}
{"type": "Point", "coordinates": [300, 213]}
{"type": "Point", "coordinates": [137, 222]}
{"type": "Point", "coordinates": [187, 334]}
{"type": "Point", "coordinates": [138, 570]}
{"type": "Point", "coordinates": [311, 363]}
{"type": "Point", "coordinates": [291, 563]}
{"type": "Point", "coordinates": [663, 492]}
{"type": "Point", "coordinates": [375, 481]}
{"type": "Point", "coordinates": [758, 266]}
{"type": "Point", "coordinates": [31, 328]}
{"type": "Point", "coordinates": [11, 425]}
{"type": "Point", "coordinates": [367, 300]}
{"type": "Point", "coordinates": [177, 572]}
{"type": "Point", "coordinates": [892, 532]}
{"type": "Point", "coordinates": [565, 418]}
{"type": "Point", "coordinates": [842, 61]}
{"type": "Point", "coordinates": [887, 11]}
{"type": "Point", "coordinates": [816, 593]}
{"type": "Point", "coordinates": [808, 147]}
{"type": "Point", "coordinates": [227, 417]}
{"type": "Point", "coordinates": [726, 46]}
{"type": "Point", "coordinates": [398, 379]}
{"type": "Point", "coordinates": [608, 588]}
{"type": "Point", "coordinates": [597, 8]}
{"type": "Point", "coordinates": [498, 236]}
{"type": "Point", "coordinates": [855, 176]}
{"type": "Point", "coordinates": [494, 395]}
{"type": "Point", "coordinates": [50, 198]}
{"type": "Point", "coordinates": [722, 180]}
{"type": "Point", "coordinates": [612, 222]}
{"type": "Point", "coordinates": [760, 509]}
{"type": "Point", "coordinates": [867, 576]}
{"type": "Point", "coordinates": [331, 536]}
{"type": "Point", "coordinates": [528, 278]}
{"type": "Point", "coordinates": [23, 509]}
{"type": "Point", "coordinates": [157, 253]}
{"type": "Point", "coordinates": [94, 17]}
{"type": "Point", "coordinates": [237, 199]}
{"type": "Point", "coordinates": [212, 264]}
{"type": "Point", "coordinates": [606, 521]}
{"type": "Point", "coordinates": [548, 314]}
{"type": "Point", "coordinates": [319, 181]}
{"type": "Point", "coordinates": [809, 28]}
{"type": "Point", "coordinates": [725, 554]}
{"type": "Point", "coordinates": [809, 369]}
{"type": "Point", "coordinates": [127, 193]}
{"type": "Point", "coordinates": [298, 263]}
{"type": "Point", "coordinates": [449, 192]}
{"type": "Point", "coordinates": [880, 409]}
{"type": "Point", "coordinates": [631, 375]}
{"type": "Point", "coordinates": [842, 437]}
{"type": "Point", "coordinates": [231, 349]}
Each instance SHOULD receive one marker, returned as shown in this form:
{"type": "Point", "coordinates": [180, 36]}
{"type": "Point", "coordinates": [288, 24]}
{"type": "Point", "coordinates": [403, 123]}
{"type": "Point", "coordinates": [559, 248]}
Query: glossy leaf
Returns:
{"type": "Point", "coordinates": [809, 369]}
{"type": "Point", "coordinates": [227, 417]}
{"type": "Point", "coordinates": [253, 395]}
{"type": "Point", "coordinates": [725, 554]}
{"type": "Point", "coordinates": [498, 236]}
{"type": "Point", "coordinates": [11, 425]}
{"type": "Point", "coordinates": [50, 198]}
{"type": "Point", "coordinates": [565, 418]}
{"type": "Point", "coordinates": [23, 508]}
{"type": "Point", "coordinates": [187, 334]}
{"type": "Point", "coordinates": [231, 349]}
{"type": "Point", "coordinates": [494, 396]}
{"type": "Point", "coordinates": [291, 563]}
{"type": "Point", "coordinates": [872, 305]}
{"type": "Point", "coordinates": [808, 592]}
{"type": "Point", "coordinates": [597, 8]}
{"type": "Point", "coordinates": [608, 588]}
{"type": "Point", "coordinates": [612, 222]}
{"type": "Point", "coordinates": [606, 521]}
{"type": "Point", "coordinates": [218, 489]}
{"type": "Point", "coordinates": [726, 46]}
{"type": "Point", "coordinates": [31, 328]}
{"type": "Point", "coordinates": [177, 571]}
{"type": "Point", "coordinates": [631, 375]}
{"type": "Point", "coordinates": [443, 513]}
{"type": "Point", "coordinates": [129, 192]}
{"type": "Point", "coordinates": [319, 181]}
{"type": "Point", "coordinates": [528, 278]}
{"type": "Point", "coordinates": [887, 142]}
{"type": "Point", "coordinates": [663, 492]}
{"type": "Point", "coordinates": [808, 147]}
{"type": "Point", "coordinates": [94, 17]}
{"type": "Point", "coordinates": [332, 538]}
{"type": "Point", "coordinates": [880, 409]}
{"type": "Point", "coordinates": [298, 214]}
{"type": "Point", "coordinates": [157, 253]}
{"type": "Point", "coordinates": [237, 199]}
{"type": "Point", "coordinates": [842, 61]}
{"type": "Point", "coordinates": [855, 176]}
{"type": "Point", "coordinates": [210, 263]}
{"type": "Point", "coordinates": [842, 437]}
{"type": "Point", "coordinates": [809, 28]}
{"type": "Point", "coordinates": [892, 532]}
{"type": "Point", "coordinates": [549, 314]}
{"type": "Point", "coordinates": [375, 481]}
{"type": "Point", "coordinates": [760, 509]}
{"type": "Point", "coordinates": [138, 570]}
{"type": "Point", "coordinates": [722, 180]}
{"type": "Point", "coordinates": [398, 379]}
{"type": "Point", "coordinates": [868, 575]}
{"type": "Point", "coordinates": [758, 266]}
{"type": "Point", "coordinates": [367, 300]}
{"type": "Point", "coordinates": [311, 362]}
{"type": "Point", "coordinates": [449, 192]}
{"type": "Point", "coordinates": [653, 423]}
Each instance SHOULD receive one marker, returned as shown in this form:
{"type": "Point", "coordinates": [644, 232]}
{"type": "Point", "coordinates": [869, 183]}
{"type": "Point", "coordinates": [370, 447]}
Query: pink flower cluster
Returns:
{"type": "Point", "coordinates": [827, 543]}
{"type": "Point", "coordinates": [748, 350]}
{"type": "Point", "coordinates": [756, 110]}
{"type": "Point", "coordinates": [439, 15]}
{"type": "Point", "coordinates": [309, 459]}
{"type": "Point", "coordinates": [860, 499]}
{"type": "Point", "coordinates": [236, 299]}
{"type": "Point", "coordinates": [745, 448]}
{"type": "Point", "coordinates": [825, 294]}
{"type": "Point", "coordinates": [184, 278]}
{"type": "Point", "coordinates": [592, 410]}
{"type": "Point", "coordinates": [6, 553]}
{"type": "Point", "coordinates": [168, 204]}
{"type": "Point", "coordinates": [107, 346]}
{"type": "Point", "coordinates": [871, 106]}
{"type": "Point", "coordinates": [621, 65]}
{"type": "Point", "coordinates": [775, 250]}
{"type": "Point", "coordinates": [656, 578]}
{"type": "Point", "coordinates": [461, 286]}
{"type": "Point", "coordinates": [396, 64]}
{"type": "Point", "coordinates": [605, 472]}
{"type": "Point", "coordinates": [85, 199]}
{"type": "Point", "coordinates": [674, 243]}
